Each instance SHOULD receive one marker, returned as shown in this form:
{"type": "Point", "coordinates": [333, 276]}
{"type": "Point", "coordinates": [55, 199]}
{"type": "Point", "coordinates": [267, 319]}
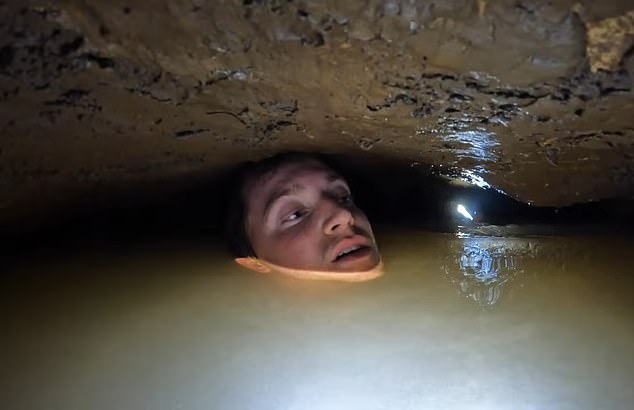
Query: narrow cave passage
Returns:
{"type": "Point", "coordinates": [490, 144]}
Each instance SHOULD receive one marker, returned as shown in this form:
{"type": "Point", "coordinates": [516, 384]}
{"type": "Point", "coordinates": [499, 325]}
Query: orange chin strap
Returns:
{"type": "Point", "coordinates": [362, 276]}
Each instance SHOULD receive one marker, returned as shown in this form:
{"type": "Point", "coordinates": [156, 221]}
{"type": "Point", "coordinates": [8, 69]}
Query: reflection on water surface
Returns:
{"type": "Point", "coordinates": [177, 326]}
{"type": "Point", "coordinates": [481, 266]}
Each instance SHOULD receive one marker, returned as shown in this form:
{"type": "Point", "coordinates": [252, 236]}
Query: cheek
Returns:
{"type": "Point", "coordinates": [299, 245]}
{"type": "Point", "coordinates": [361, 219]}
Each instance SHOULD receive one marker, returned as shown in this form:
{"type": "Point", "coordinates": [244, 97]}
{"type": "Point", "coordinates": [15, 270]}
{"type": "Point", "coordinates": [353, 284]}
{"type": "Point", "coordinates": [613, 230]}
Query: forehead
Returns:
{"type": "Point", "coordinates": [286, 175]}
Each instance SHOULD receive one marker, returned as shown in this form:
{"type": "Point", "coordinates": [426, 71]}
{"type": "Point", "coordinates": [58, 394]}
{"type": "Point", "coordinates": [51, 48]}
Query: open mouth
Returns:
{"type": "Point", "coordinates": [352, 253]}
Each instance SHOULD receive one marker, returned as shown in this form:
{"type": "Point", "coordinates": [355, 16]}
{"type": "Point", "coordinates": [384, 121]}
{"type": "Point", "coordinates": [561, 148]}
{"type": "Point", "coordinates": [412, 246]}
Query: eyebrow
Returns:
{"type": "Point", "coordinates": [285, 191]}
{"type": "Point", "coordinates": [276, 195]}
{"type": "Point", "coordinates": [333, 177]}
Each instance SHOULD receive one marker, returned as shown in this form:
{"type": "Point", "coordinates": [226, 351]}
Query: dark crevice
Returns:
{"type": "Point", "coordinates": [189, 133]}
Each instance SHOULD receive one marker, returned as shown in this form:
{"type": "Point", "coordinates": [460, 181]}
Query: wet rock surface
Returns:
{"type": "Point", "coordinates": [533, 97]}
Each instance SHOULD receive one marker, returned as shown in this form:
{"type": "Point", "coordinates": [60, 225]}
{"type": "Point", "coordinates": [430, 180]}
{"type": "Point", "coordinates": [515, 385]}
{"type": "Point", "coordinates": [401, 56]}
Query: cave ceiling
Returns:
{"type": "Point", "coordinates": [533, 97]}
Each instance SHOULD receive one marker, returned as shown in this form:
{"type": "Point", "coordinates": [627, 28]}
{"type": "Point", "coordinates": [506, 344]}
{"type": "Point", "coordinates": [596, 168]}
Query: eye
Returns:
{"type": "Point", "coordinates": [346, 199]}
{"type": "Point", "coordinates": [295, 215]}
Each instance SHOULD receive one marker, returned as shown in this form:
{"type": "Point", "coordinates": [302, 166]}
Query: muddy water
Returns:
{"type": "Point", "coordinates": [456, 322]}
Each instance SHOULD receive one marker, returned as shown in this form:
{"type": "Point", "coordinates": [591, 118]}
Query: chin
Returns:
{"type": "Point", "coordinates": [356, 267]}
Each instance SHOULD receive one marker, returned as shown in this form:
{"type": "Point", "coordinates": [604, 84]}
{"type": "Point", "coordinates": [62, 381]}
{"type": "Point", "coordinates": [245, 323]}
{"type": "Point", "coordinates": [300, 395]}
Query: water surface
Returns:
{"type": "Point", "coordinates": [456, 322]}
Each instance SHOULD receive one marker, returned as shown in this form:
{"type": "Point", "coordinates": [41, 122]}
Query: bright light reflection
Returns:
{"type": "Point", "coordinates": [478, 143]}
{"type": "Point", "coordinates": [475, 179]}
{"type": "Point", "coordinates": [482, 266]}
{"type": "Point", "coordinates": [463, 211]}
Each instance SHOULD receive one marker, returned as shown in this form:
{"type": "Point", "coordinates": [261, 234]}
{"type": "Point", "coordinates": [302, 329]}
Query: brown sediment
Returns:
{"type": "Point", "coordinates": [98, 97]}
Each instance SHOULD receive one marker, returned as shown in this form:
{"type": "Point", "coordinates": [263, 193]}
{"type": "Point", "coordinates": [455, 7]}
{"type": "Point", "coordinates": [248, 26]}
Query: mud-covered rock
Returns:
{"type": "Point", "coordinates": [534, 98]}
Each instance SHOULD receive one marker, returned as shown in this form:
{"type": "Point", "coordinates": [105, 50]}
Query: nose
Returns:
{"type": "Point", "coordinates": [339, 218]}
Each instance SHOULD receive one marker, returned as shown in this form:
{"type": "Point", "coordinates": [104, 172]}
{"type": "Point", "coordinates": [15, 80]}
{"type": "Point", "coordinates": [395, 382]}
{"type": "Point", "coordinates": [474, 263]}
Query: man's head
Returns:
{"type": "Point", "coordinates": [294, 212]}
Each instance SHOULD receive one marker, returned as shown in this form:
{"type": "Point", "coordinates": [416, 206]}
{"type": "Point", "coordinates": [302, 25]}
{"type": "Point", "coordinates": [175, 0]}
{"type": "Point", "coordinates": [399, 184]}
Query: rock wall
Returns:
{"type": "Point", "coordinates": [533, 98]}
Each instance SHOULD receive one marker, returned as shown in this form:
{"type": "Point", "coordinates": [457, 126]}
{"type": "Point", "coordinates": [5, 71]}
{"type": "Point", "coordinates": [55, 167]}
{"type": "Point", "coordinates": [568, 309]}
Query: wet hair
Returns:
{"type": "Point", "coordinates": [237, 207]}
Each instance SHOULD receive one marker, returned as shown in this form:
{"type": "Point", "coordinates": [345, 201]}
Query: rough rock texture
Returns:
{"type": "Point", "coordinates": [533, 97]}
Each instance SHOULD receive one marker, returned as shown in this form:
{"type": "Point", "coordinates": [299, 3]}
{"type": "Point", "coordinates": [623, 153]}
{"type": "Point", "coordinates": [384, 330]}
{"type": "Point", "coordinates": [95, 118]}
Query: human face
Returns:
{"type": "Point", "coordinates": [302, 216]}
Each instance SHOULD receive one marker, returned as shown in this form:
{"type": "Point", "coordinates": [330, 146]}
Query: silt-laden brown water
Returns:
{"type": "Point", "coordinates": [456, 322]}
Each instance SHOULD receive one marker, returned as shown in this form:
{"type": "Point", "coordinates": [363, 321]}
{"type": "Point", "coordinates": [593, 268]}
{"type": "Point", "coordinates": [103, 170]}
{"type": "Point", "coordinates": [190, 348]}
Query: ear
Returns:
{"type": "Point", "coordinates": [253, 264]}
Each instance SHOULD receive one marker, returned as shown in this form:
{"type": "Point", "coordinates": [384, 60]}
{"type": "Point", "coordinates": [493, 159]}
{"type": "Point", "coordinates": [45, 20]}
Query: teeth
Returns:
{"type": "Point", "coordinates": [348, 250]}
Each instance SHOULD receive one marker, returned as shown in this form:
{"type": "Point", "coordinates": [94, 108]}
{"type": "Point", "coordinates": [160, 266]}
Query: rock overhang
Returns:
{"type": "Point", "coordinates": [527, 96]}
